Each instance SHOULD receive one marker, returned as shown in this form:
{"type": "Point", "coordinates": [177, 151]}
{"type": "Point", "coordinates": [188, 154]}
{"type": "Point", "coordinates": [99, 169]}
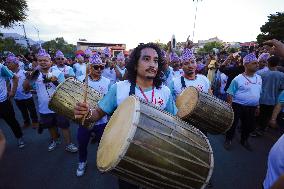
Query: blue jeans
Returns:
{"type": "Point", "coordinates": [83, 137]}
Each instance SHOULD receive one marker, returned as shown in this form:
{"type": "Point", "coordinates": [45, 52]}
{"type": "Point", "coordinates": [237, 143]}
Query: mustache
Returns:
{"type": "Point", "coordinates": [151, 70]}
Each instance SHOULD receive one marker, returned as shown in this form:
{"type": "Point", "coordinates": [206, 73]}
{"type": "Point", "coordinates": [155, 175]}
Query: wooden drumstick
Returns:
{"type": "Point", "coordinates": [86, 91]}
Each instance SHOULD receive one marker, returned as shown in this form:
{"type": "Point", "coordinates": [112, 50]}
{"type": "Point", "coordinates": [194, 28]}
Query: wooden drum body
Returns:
{"type": "Point", "coordinates": [204, 111]}
{"type": "Point", "coordinates": [69, 93]}
{"type": "Point", "coordinates": [154, 149]}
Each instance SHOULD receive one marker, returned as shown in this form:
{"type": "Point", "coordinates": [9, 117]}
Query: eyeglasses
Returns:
{"type": "Point", "coordinates": [96, 67]}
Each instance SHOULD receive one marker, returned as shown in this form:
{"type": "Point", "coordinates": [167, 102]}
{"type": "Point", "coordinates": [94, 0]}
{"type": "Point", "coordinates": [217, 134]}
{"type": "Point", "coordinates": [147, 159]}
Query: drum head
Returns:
{"type": "Point", "coordinates": [117, 134]}
{"type": "Point", "coordinates": [187, 101]}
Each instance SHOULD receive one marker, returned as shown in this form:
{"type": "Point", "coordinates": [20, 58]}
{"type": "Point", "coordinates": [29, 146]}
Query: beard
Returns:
{"type": "Point", "coordinates": [150, 77]}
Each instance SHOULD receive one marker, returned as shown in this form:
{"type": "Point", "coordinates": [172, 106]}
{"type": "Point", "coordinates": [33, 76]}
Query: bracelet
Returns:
{"type": "Point", "coordinates": [90, 114]}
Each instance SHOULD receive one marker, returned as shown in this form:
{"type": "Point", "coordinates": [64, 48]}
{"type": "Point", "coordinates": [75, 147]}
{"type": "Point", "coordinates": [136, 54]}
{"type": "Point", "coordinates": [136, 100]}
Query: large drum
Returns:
{"type": "Point", "coordinates": [154, 149]}
{"type": "Point", "coordinates": [204, 111]}
{"type": "Point", "coordinates": [67, 94]}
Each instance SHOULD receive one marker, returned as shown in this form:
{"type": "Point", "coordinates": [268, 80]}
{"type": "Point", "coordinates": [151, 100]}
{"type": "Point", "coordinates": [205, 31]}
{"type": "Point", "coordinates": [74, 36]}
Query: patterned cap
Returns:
{"type": "Point", "coordinates": [95, 59]}
{"type": "Point", "coordinates": [120, 57]}
{"type": "Point", "coordinates": [12, 58]}
{"type": "Point", "coordinates": [106, 51]}
{"type": "Point", "coordinates": [79, 57]}
{"type": "Point", "coordinates": [42, 53]}
{"type": "Point", "coordinates": [263, 57]}
{"type": "Point", "coordinates": [88, 52]}
{"type": "Point", "coordinates": [249, 58]}
{"type": "Point", "coordinates": [59, 54]}
{"type": "Point", "coordinates": [187, 55]}
{"type": "Point", "coordinates": [174, 57]}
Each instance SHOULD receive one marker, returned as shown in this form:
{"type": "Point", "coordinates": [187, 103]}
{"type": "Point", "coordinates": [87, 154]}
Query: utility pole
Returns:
{"type": "Point", "coordinates": [25, 35]}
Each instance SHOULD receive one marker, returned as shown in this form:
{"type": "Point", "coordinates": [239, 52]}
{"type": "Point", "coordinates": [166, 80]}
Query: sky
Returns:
{"type": "Point", "coordinates": [132, 22]}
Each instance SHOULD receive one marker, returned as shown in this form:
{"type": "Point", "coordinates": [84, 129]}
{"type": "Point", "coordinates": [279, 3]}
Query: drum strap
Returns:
{"type": "Point", "coordinates": [132, 89]}
{"type": "Point", "coordinates": [182, 82]}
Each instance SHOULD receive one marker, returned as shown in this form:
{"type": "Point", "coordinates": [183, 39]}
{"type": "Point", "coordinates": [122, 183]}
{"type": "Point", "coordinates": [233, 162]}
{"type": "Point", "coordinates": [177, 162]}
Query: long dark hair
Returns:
{"type": "Point", "coordinates": [133, 62]}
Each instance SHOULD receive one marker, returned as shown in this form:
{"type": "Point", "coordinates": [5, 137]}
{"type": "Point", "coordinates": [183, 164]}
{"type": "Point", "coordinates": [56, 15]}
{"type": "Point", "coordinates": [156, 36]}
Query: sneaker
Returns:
{"type": "Point", "coordinates": [246, 145]}
{"type": "Point", "coordinates": [71, 148]}
{"type": "Point", "coordinates": [21, 143]}
{"type": "Point", "coordinates": [52, 146]}
{"type": "Point", "coordinates": [81, 169]}
{"type": "Point", "coordinates": [228, 144]}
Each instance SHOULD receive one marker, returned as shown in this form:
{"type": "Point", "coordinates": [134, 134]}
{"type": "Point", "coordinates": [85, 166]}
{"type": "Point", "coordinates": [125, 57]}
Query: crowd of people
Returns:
{"type": "Point", "coordinates": [251, 81]}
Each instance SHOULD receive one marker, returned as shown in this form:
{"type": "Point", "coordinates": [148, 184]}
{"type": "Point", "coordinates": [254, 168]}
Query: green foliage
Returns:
{"type": "Point", "coordinates": [59, 44]}
{"type": "Point", "coordinates": [12, 11]}
{"type": "Point", "coordinates": [9, 44]}
{"type": "Point", "coordinates": [208, 47]}
{"type": "Point", "coordinates": [273, 29]}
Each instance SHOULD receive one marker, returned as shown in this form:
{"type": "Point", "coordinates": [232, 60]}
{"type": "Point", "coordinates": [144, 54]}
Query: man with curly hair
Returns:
{"type": "Point", "coordinates": [144, 79]}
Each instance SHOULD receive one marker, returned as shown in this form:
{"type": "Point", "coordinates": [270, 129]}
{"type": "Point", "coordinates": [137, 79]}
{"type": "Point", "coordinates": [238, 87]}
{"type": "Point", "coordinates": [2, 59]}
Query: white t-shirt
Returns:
{"type": "Point", "coordinates": [110, 74]}
{"type": "Point", "coordinates": [102, 86]}
{"type": "Point", "coordinates": [121, 71]}
{"type": "Point", "coordinates": [21, 65]}
{"type": "Point", "coordinates": [223, 80]}
{"type": "Point", "coordinates": [201, 83]}
{"type": "Point", "coordinates": [79, 69]}
{"type": "Point", "coordinates": [246, 90]}
{"type": "Point", "coordinates": [177, 74]}
{"type": "Point", "coordinates": [275, 163]}
{"type": "Point", "coordinates": [20, 93]}
{"type": "Point", "coordinates": [160, 96]}
{"type": "Point", "coordinates": [66, 70]}
{"type": "Point", "coordinates": [46, 90]}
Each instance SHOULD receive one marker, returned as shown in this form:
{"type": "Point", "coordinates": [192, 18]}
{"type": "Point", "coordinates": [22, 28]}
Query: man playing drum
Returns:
{"type": "Point", "coordinates": [45, 84]}
{"type": "Point", "coordinates": [102, 85]}
{"type": "Point", "coordinates": [144, 80]}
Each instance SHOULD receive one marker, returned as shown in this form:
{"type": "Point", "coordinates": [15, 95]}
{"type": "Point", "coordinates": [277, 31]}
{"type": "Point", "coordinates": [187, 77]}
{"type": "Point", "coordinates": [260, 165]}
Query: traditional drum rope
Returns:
{"type": "Point", "coordinates": [86, 91]}
{"type": "Point", "coordinates": [147, 166]}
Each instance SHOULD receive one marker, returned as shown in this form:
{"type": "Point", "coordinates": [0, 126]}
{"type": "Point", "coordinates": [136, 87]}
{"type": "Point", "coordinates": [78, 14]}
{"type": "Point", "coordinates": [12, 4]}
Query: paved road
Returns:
{"type": "Point", "coordinates": [35, 167]}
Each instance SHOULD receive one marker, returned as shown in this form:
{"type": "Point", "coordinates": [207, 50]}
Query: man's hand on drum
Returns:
{"type": "Point", "coordinates": [81, 109]}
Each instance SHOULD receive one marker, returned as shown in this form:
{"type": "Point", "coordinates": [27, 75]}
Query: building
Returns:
{"type": "Point", "coordinates": [115, 48]}
{"type": "Point", "coordinates": [201, 43]}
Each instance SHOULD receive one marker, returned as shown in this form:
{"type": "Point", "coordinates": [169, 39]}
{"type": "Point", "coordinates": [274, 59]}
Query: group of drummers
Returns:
{"type": "Point", "coordinates": [151, 74]}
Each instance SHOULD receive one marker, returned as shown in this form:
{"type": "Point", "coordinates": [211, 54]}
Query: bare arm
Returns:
{"type": "Point", "coordinates": [93, 115]}
{"type": "Point", "coordinates": [15, 81]}
{"type": "Point", "coordinates": [277, 47]}
{"type": "Point", "coordinates": [230, 99]}
{"type": "Point", "coordinates": [276, 111]}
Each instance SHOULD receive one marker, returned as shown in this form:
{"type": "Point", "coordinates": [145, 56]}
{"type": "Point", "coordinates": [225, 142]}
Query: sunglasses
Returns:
{"type": "Point", "coordinates": [59, 58]}
{"type": "Point", "coordinates": [96, 67]}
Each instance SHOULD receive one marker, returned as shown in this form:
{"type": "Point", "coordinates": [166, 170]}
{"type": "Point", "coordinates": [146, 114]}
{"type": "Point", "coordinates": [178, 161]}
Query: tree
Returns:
{"type": "Point", "coordinates": [273, 29]}
{"type": "Point", "coordinates": [59, 44]}
{"type": "Point", "coordinates": [12, 11]}
{"type": "Point", "coordinates": [208, 47]}
{"type": "Point", "coordinates": [9, 44]}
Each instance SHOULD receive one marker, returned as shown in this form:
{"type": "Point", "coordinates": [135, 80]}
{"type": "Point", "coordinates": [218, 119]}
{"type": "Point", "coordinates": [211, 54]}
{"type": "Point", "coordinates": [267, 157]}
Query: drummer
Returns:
{"type": "Point", "coordinates": [45, 85]}
{"type": "Point", "coordinates": [60, 65]}
{"type": "Point", "coordinates": [102, 85]}
{"type": "Point", "coordinates": [189, 78]}
{"type": "Point", "coordinates": [144, 80]}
